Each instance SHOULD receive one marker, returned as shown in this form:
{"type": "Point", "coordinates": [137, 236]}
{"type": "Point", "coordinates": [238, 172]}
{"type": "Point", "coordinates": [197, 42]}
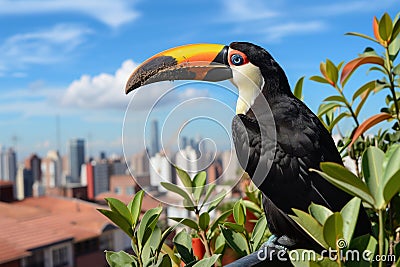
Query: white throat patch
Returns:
{"type": "Point", "coordinates": [249, 81]}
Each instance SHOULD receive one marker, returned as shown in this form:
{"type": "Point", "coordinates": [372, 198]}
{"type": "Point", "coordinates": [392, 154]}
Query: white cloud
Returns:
{"type": "Point", "coordinates": [277, 32]}
{"type": "Point", "coordinates": [41, 47]}
{"type": "Point", "coordinates": [100, 91]}
{"type": "Point", "coordinates": [246, 10]}
{"type": "Point", "coordinates": [110, 12]}
{"type": "Point", "coordinates": [108, 91]}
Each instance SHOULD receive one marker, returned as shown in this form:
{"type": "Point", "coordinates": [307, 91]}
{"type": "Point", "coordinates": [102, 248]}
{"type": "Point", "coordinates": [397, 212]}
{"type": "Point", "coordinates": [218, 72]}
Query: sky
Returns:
{"type": "Point", "coordinates": [66, 62]}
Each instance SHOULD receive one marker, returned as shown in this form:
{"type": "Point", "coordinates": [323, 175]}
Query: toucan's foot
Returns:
{"type": "Point", "coordinates": [274, 252]}
{"type": "Point", "coordinates": [279, 243]}
{"type": "Point", "coordinates": [271, 240]}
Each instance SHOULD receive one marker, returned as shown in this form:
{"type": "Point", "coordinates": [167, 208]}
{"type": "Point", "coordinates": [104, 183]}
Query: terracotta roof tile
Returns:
{"type": "Point", "coordinates": [38, 222]}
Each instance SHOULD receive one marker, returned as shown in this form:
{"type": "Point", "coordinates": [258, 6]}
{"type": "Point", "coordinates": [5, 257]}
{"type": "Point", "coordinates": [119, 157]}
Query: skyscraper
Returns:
{"type": "Point", "coordinates": [97, 177]}
{"type": "Point", "coordinates": [33, 163]}
{"type": "Point", "coordinates": [183, 142]}
{"type": "Point", "coordinates": [160, 171]}
{"type": "Point", "coordinates": [187, 160]}
{"type": "Point", "coordinates": [8, 165]}
{"type": "Point", "coordinates": [2, 175]}
{"type": "Point", "coordinates": [154, 144]}
{"type": "Point", "coordinates": [52, 170]}
{"type": "Point", "coordinates": [140, 163]}
{"type": "Point", "coordinates": [76, 150]}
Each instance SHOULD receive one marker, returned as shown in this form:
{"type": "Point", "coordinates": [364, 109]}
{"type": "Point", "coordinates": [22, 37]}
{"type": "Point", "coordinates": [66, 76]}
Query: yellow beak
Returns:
{"type": "Point", "coordinates": [207, 62]}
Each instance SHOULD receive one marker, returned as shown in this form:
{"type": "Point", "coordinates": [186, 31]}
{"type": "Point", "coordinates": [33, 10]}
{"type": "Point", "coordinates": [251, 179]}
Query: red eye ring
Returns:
{"type": "Point", "coordinates": [237, 58]}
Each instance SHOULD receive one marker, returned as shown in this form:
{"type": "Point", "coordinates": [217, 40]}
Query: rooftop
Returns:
{"type": "Point", "coordinates": [43, 221]}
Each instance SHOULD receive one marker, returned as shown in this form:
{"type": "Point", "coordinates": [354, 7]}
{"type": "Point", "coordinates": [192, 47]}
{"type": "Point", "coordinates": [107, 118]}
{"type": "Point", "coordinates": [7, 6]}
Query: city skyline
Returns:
{"type": "Point", "coordinates": [63, 66]}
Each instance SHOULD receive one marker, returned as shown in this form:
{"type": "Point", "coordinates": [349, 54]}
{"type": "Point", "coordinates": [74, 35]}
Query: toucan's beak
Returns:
{"type": "Point", "coordinates": [207, 62]}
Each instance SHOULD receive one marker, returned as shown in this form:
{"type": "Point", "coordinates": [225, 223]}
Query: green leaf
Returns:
{"type": "Point", "coordinates": [120, 208]}
{"type": "Point", "coordinates": [147, 224]}
{"type": "Point", "coordinates": [164, 237]}
{"type": "Point", "coordinates": [207, 262]}
{"type": "Point", "coordinates": [380, 69]}
{"type": "Point", "coordinates": [364, 243]}
{"type": "Point", "coordinates": [120, 259]}
{"type": "Point", "coordinates": [218, 198]}
{"type": "Point", "coordinates": [258, 233]}
{"type": "Point", "coordinates": [396, 29]}
{"type": "Point", "coordinates": [319, 212]}
{"type": "Point", "coordinates": [150, 247]}
{"type": "Point", "coordinates": [165, 261]}
{"type": "Point", "coordinates": [385, 27]}
{"type": "Point", "coordinates": [252, 206]}
{"type": "Point", "coordinates": [391, 162]}
{"type": "Point", "coordinates": [235, 227]}
{"type": "Point", "coordinates": [331, 71]}
{"type": "Point", "coordinates": [236, 241]}
{"type": "Point", "coordinates": [310, 226]}
{"type": "Point", "coordinates": [369, 86]}
{"type": "Point", "coordinates": [394, 49]}
{"type": "Point", "coordinates": [166, 249]}
{"type": "Point", "coordinates": [186, 221]}
{"type": "Point", "coordinates": [118, 220]}
{"type": "Point", "coordinates": [298, 88]}
{"type": "Point", "coordinates": [135, 206]}
{"type": "Point", "coordinates": [350, 215]}
{"type": "Point", "coordinates": [325, 107]}
{"type": "Point", "coordinates": [219, 244]}
{"type": "Point", "coordinates": [392, 187]}
{"type": "Point", "coordinates": [333, 230]}
{"type": "Point", "coordinates": [220, 219]}
{"type": "Point", "coordinates": [239, 213]}
{"type": "Point", "coordinates": [337, 98]}
{"type": "Point", "coordinates": [319, 79]}
{"type": "Point", "coordinates": [391, 176]}
{"type": "Point", "coordinates": [204, 220]}
{"type": "Point", "coordinates": [198, 184]}
{"type": "Point", "coordinates": [176, 189]}
{"type": "Point", "coordinates": [372, 161]}
{"type": "Point", "coordinates": [337, 119]}
{"type": "Point", "coordinates": [362, 36]}
{"type": "Point", "coordinates": [364, 98]}
{"type": "Point", "coordinates": [184, 177]}
{"type": "Point", "coordinates": [183, 244]}
{"type": "Point", "coordinates": [188, 204]}
{"type": "Point", "coordinates": [345, 180]}
{"type": "Point", "coordinates": [396, 70]}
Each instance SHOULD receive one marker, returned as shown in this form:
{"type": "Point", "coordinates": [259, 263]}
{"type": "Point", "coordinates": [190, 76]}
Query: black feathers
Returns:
{"type": "Point", "coordinates": [285, 150]}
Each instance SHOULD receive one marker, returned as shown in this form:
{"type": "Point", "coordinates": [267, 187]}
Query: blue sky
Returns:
{"type": "Point", "coordinates": [71, 59]}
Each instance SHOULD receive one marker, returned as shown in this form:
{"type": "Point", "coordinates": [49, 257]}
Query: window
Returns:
{"type": "Point", "coordinates": [60, 257]}
{"type": "Point", "coordinates": [36, 259]}
{"type": "Point", "coordinates": [117, 190]}
{"type": "Point", "coordinates": [130, 190]}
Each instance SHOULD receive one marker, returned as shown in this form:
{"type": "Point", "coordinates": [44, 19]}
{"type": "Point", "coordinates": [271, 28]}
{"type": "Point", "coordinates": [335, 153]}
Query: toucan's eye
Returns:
{"type": "Point", "coordinates": [237, 59]}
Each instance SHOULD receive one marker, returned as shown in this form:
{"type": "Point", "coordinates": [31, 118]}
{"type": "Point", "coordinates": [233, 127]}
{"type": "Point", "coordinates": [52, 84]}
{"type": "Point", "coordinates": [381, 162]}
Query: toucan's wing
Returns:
{"type": "Point", "coordinates": [302, 143]}
{"type": "Point", "coordinates": [299, 142]}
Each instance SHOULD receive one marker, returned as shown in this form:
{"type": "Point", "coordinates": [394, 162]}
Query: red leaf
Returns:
{"type": "Point", "coordinates": [322, 68]}
{"type": "Point", "coordinates": [368, 124]}
{"type": "Point", "coordinates": [375, 26]}
{"type": "Point", "coordinates": [355, 63]}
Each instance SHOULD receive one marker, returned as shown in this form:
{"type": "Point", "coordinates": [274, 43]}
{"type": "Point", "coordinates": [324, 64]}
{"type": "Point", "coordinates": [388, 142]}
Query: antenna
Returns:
{"type": "Point", "coordinates": [89, 141]}
{"type": "Point", "coordinates": [15, 140]}
{"type": "Point", "coordinates": [58, 133]}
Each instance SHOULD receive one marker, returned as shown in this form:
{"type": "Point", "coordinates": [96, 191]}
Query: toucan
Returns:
{"type": "Point", "coordinates": [278, 139]}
